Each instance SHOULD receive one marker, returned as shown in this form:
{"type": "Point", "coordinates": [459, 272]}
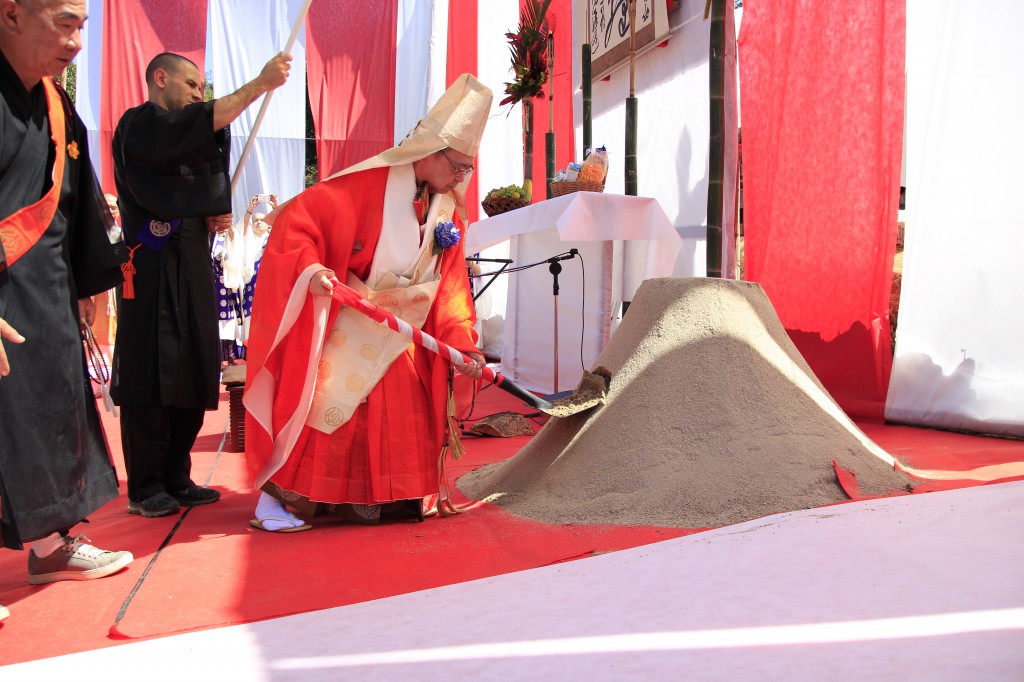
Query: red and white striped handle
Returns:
{"type": "Point", "coordinates": [347, 296]}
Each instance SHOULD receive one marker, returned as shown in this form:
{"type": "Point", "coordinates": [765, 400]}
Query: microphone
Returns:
{"type": "Point", "coordinates": [572, 254]}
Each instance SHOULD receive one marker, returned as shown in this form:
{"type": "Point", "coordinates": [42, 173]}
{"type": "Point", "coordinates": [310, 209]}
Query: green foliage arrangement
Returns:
{"type": "Point", "coordinates": [529, 53]}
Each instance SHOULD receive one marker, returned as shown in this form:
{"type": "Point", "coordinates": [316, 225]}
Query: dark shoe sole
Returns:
{"type": "Point", "coordinates": [135, 508]}
{"type": "Point", "coordinates": [197, 502]}
{"type": "Point", "coordinates": [189, 502]}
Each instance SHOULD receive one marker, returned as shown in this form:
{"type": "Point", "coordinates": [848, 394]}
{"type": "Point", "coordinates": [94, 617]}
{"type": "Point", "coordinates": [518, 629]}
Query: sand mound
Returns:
{"type": "Point", "coordinates": [712, 418]}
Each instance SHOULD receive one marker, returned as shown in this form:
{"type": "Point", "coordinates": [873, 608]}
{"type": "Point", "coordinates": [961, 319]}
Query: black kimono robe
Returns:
{"type": "Point", "coordinates": [171, 167]}
{"type": "Point", "coordinates": [55, 466]}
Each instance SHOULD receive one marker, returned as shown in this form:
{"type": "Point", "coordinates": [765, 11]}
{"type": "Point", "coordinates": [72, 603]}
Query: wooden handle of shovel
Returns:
{"type": "Point", "coordinates": [347, 296]}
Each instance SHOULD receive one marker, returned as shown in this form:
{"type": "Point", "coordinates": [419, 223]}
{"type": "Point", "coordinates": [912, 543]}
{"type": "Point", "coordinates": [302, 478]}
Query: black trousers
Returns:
{"type": "Point", "coordinates": [157, 443]}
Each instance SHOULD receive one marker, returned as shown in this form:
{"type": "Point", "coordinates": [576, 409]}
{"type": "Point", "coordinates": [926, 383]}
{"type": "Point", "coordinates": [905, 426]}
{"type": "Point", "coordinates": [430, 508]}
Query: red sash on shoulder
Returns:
{"type": "Point", "coordinates": [21, 230]}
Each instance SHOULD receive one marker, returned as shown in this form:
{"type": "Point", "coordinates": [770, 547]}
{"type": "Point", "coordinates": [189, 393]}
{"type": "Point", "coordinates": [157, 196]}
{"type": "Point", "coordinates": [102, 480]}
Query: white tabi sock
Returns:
{"type": "Point", "coordinates": [273, 516]}
{"type": "Point", "coordinates": [48, 545]}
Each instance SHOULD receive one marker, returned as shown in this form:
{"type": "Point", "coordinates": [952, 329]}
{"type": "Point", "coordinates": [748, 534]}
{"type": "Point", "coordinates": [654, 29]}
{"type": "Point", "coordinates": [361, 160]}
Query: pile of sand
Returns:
{"type": "Point", "coordinates": [712, 418]}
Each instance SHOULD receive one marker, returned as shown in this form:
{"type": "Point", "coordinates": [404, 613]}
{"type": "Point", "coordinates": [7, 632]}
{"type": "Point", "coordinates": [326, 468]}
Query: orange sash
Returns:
{"type": "Point", "coordinates": [22, 229]}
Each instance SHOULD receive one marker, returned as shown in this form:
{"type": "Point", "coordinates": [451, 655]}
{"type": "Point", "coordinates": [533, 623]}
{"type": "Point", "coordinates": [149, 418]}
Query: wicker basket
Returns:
{"type": "Point", "coordinates": [560, 188]}
{"type": "Point", "coordinates": [493, 207]}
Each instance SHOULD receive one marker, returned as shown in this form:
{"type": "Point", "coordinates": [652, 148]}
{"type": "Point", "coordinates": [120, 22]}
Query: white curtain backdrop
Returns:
{"type": "Point", "coordinates": [500, 160]}
{"type": "Point", "coordinates": [674, 131]}
{"type": "Point", "coordinates": [411, 68]}
{"type": "Point", "coordinates": [958, 362]}
{"type": "Point", "coordinates": [242, 41]}
{"type": "Point", "coordinates": [89, 79]}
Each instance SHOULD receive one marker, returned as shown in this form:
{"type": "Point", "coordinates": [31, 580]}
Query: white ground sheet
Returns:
{"type": "Point", "coordinates": [922, 587]}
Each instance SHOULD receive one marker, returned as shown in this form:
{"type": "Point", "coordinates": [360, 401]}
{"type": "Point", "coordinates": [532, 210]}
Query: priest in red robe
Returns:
{"type": "Point", "coordinates": [340, 411]}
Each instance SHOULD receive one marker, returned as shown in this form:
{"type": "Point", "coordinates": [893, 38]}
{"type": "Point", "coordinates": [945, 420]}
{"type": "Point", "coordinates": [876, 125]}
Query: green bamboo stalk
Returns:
{"type": "Point", "coordinates": [631, 125]}
{"type": "Point", "coordinates": [527, 139]}
{"type": "Point", "coordinates": [549, 148]}
{"type": "Point", "coordinates": [716, 148]}
{"type": "Point", "coordinates": [631, 180]}
{"type": "Point", "coordinates": [588, 138]}
{"type": "Point", "coordinates": [549, 137]}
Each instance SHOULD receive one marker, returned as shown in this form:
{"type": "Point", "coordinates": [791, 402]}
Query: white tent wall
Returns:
{"type": "Point", "coordinates": [672, 87]}
{"type": "Point", "coordinates": [414, 62]}
{"type": "Point", "coordinates": [88, 78]}
{"type": "Point", "coordinates": [241, 42]}
{"type": "Point", "coordinates": [958, 362]}
{"type": "Point", "coordinates": [674, 127]}
{"type": "Point", "coordinates": [500, 161]}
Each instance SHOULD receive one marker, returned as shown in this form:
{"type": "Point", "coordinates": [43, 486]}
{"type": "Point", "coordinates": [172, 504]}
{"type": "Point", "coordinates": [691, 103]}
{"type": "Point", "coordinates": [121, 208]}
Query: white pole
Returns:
{"type": "Point", "coordinates": [266, 99]}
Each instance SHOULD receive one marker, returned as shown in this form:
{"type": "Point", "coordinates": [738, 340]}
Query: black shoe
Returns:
{"type": "Point", "coordinates": [160, 504]}
{"type": "Point", "coordinates": [194, 496]}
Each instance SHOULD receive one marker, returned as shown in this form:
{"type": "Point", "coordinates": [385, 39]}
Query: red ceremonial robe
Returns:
{"type": "Point", "coordinates": [389, 450]}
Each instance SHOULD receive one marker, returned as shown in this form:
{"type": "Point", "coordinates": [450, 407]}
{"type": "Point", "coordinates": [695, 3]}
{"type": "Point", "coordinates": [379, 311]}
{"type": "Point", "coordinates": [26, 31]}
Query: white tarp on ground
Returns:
{"type": "Point", "coordinates": [958, 362]}
{"type": "Point", "coordinates": [242, 41]}
{"type": "Point", "coordinates": [918, 587]}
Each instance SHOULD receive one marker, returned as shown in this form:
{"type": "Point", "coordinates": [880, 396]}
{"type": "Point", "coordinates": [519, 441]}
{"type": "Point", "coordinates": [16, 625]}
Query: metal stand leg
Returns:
{"type": "Point", "coordinates": [555, 268]}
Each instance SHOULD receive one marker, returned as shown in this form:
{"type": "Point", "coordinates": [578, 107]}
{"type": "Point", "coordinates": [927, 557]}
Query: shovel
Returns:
{"type": "Point", "coordinates": [590, 394]}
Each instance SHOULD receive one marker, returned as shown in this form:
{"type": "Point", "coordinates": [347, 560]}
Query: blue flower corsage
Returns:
{"type": "Point", "coordinates": [445, 235]}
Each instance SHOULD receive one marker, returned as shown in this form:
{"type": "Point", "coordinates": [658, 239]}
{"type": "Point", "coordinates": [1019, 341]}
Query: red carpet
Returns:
{"type": "Point", "coordinates": [216, 570]}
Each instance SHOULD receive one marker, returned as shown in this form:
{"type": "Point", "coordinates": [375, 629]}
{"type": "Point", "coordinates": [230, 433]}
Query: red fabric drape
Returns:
{"type": "Point", "coordinates": [822, 103]}
{"type": "Point", "coordinates": [135, 31]}
{"type": "Point", "coordinates": [350, 63]}
{"type": "Point", "coordinates": [462, 58]}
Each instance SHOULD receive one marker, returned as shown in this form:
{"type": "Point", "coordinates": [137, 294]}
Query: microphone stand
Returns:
{"type": "Point", "coordinates": [505, 262]}
{"type": "Point", "coordinates": [555, 268]}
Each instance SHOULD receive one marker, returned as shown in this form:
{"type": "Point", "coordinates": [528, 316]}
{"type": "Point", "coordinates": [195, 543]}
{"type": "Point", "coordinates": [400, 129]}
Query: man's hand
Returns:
{"type": "Point", "coordinates": [475, 369]}
{"type": "Point", "coordinates": [322, 283]}
{"type": "Point", "coordinates": [86, 311]}
{"type": "Point", "coordinates": [7, 333]}
{"type": "Point", "coordinates": [219, 223]}
{"type": "Point", "coordinates": [274, 73]}
{"type": "Point", "coordinates": [229, 107]}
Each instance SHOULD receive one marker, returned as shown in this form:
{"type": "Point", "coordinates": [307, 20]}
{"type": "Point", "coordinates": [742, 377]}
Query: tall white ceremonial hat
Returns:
{"type": "Point", "coordinates": [456, 120]}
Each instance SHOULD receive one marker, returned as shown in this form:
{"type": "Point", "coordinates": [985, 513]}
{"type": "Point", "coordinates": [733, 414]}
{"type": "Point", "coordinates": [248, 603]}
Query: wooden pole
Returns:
{"type": "Point", "coordinates": [631, 107]}
{"type": "Point", "coordinates": [266, 98]}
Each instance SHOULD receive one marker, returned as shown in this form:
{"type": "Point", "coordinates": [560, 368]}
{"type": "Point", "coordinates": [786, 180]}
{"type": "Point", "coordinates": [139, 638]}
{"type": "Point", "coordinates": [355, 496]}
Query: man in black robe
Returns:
{"type": "Point", "coordinates": [55, 467]}
{"type": "Point", "coordinates": [171, 171]}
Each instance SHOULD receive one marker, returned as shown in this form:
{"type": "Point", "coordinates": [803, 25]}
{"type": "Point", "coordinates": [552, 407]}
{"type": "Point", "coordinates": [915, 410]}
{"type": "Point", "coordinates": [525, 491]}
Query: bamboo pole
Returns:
{"type": "Point", "coordinates": [585, 85]}
{"type": "Point", "coordinates": [549, 137]}
{"type": "Point", "coordinates": [266, 98]}
{"type": "Point", "coordinates": [527, 138]}
{"type": "Point", "coordinates": [631, 107]}
{"type": "Point", "coordinates": [716, 149]}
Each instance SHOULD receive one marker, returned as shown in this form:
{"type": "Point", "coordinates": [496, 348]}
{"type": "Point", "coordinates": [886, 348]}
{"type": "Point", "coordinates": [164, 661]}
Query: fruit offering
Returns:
{"type": "Point", "coordinates": [511, 192]}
